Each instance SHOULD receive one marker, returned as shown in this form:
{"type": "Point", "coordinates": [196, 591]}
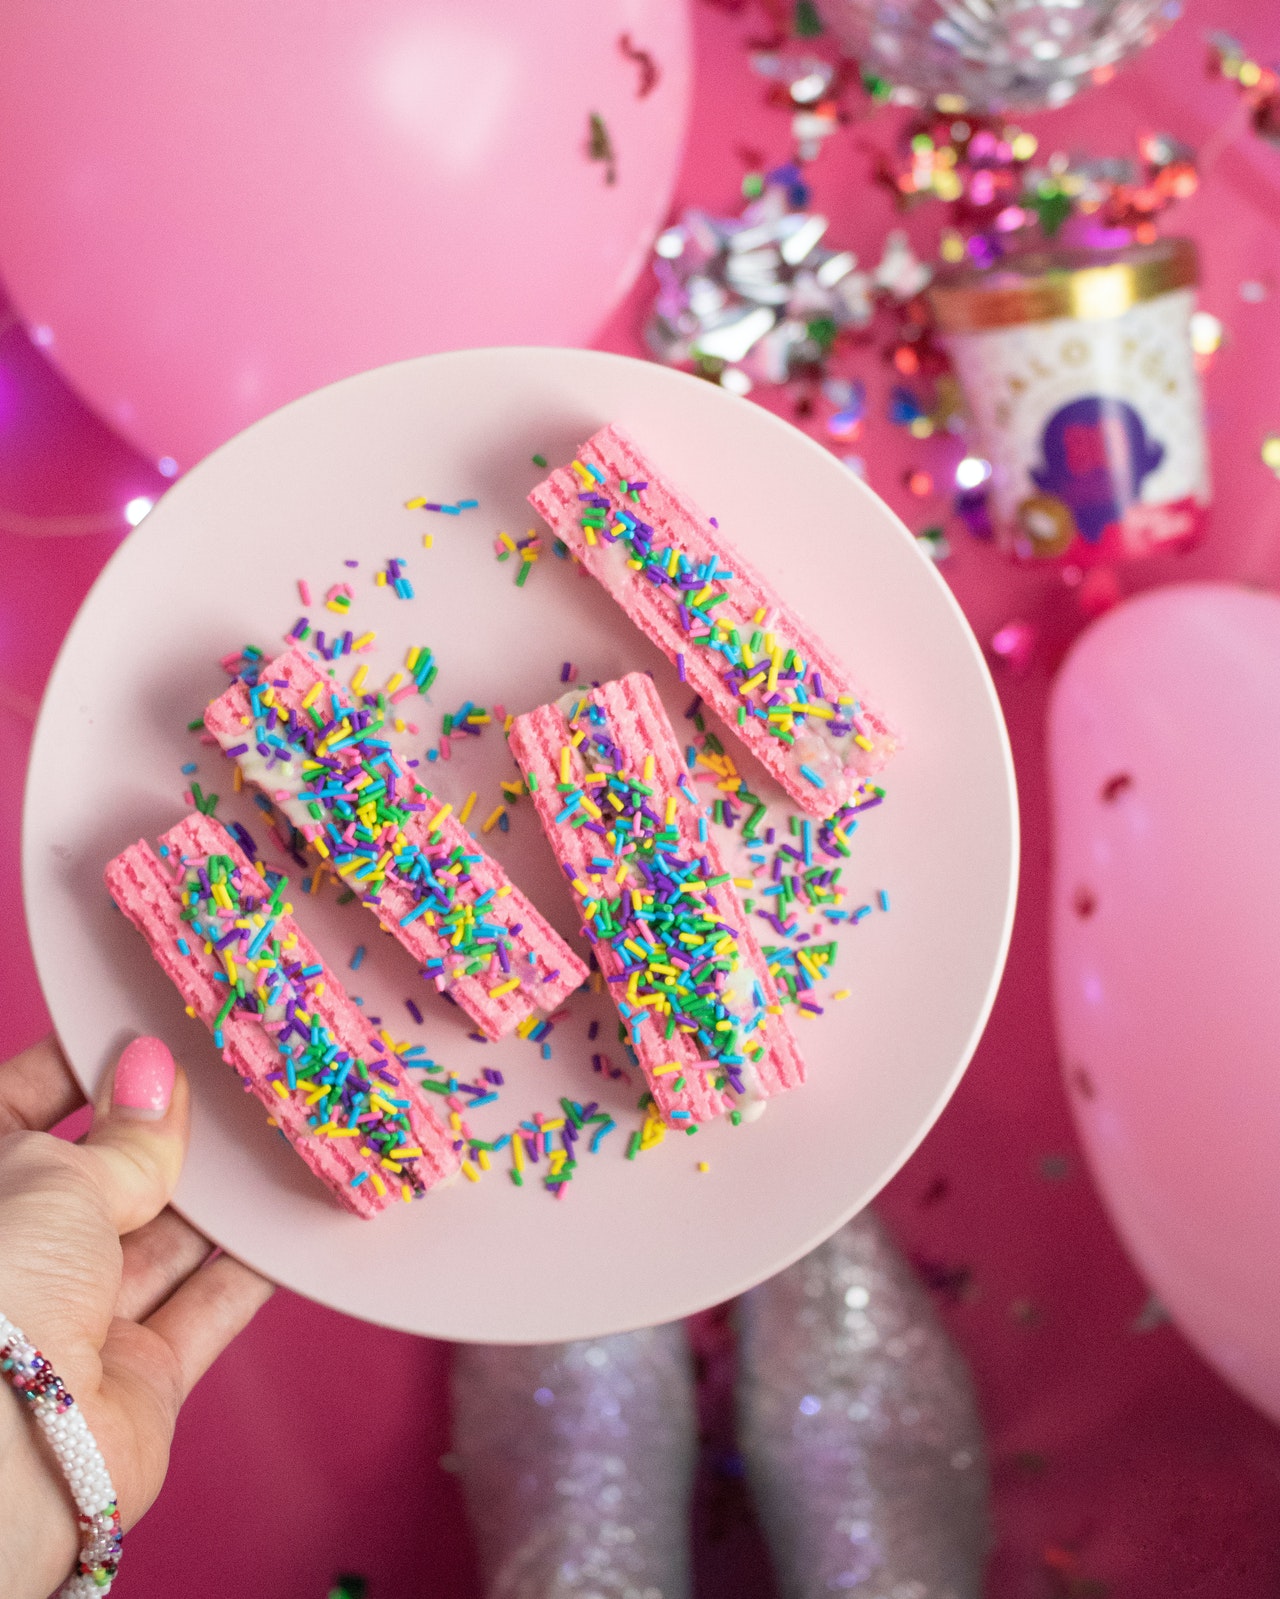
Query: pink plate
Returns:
{"type": "Point", "coordinates": [325, 480]}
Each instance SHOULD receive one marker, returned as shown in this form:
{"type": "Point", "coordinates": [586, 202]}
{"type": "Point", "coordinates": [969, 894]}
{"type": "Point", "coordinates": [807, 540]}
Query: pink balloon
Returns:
{"type": "Point", "coordinates": [207, 210]}
{"type": "Point", "coordinates": [1165, 765]}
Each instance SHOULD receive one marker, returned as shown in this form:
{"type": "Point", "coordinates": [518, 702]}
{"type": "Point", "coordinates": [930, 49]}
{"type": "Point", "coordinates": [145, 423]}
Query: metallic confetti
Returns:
{"type": "Point", "coordinates": [1000, 54]}
{"type": "Point", "coordinates": [762, 297]}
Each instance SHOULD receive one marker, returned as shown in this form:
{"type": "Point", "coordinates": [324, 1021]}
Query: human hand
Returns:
{"type": "Point", "coordinates": [109, 1283]}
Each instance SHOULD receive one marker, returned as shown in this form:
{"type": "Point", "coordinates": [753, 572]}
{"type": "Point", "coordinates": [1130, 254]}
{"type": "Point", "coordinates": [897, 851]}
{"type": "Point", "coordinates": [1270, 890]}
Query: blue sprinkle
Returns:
{"type": "Point", "coordinates": [189, 767]}
{"type": "Point", "coordinates": [357, 957]}
{"type": "Point", "coordinates": [882, 899]}
{"type": "Point", "coordinates": [808, 772]}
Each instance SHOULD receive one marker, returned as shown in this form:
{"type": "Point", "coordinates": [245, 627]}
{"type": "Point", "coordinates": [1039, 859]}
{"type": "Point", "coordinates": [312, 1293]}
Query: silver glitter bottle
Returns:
{"type": "Point", "coordinates": [857, 1420]}
{"type": "Point", "coordinates": [576, 1462]}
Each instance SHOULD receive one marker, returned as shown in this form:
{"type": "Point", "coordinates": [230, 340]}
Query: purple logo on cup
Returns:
{"type": "Point", "coordinates": [1096, 454]}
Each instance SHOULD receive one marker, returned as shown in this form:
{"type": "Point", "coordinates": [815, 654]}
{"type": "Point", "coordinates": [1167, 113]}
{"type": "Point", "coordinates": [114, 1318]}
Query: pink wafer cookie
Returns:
{"type": "Point", "coordinates": [334, 1086]}
{"type": "Point", "coordinates": [669, 931]}
{"type": "Point", "coordinates": [732, 636]}
{"type": "Point", "coordinates": [317, 753]}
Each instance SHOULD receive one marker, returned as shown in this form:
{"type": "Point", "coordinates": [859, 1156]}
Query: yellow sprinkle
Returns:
{"type": "Point", "coordinates": [379, 578]}
{"type": "Point", "coordinates": [311, 696]}
{"type": "Point", "coordinates": [517, 1153]}
{"type": "Point", "coordinates": [509, 987]}
{"type": "Point", "coordinates": [467, 806]}
{"type": "Point", "coordinates": [281, 1090]}
{"type": "Point", "coordinates": [662, 1071]}
{"type": "Point", "coordinates": [364, 641]}
{"type": "Point", "coordinates": [564, 764]}
{"type": "Point", "coordinates": [647, 773]}
{"type": "Point", "coordinates": [491, 821]}
{"type": "Point", "coordinates": [703, 1166]}
{"type": "Point", "coordinates": [841, 993]}
{"type": "Point", "coordinates": [393, 682]}
{"type": "Point", "coordinates": [862, 741]}
{"type": "Point", "coordinates": [428, 539]}
{"type": "Point", "coordinates": [469, 1172]}
{"type": "Point", "coordinates": [553, 1127]}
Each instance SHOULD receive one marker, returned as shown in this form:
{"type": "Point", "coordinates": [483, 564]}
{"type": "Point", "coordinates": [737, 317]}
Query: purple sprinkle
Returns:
{"type": "Point", "coordinates": [413, 1011]}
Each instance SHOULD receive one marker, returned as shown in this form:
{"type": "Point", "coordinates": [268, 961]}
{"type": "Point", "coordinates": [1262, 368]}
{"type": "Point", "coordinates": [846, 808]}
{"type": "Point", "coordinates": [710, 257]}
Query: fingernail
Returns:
{"type": "Point", "coordinates": [143, 1084]}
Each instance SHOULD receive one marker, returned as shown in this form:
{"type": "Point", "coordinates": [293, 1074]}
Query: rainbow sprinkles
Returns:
{"type": "Point", "coordinates": [336, 1088]}
{"type": "Point", "coordinates": [729, 633]}
{"type": "Point", "coordinates": [321, 757]}
{"type": "Point", "coordinates": [699, 1006]}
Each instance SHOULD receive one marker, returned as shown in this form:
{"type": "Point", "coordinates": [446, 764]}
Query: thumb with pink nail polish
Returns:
{"type": "Point", "coordinates": [139, 1133]}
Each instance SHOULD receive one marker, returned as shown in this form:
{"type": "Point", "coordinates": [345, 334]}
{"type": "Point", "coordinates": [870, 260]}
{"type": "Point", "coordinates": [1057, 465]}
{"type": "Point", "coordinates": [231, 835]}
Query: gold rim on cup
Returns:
{"type": "Point", "coordinates": [1040, 286]}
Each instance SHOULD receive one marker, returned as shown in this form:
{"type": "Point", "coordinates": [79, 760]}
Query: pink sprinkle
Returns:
{"type": "Point", "coordinates": [499, 713]}
{"type": "Point", "coordinates": [403, 693]}
{"type": "Point", "coordinates": [304, 591]}
{"type": "Point", "coordinates": [446, 747]}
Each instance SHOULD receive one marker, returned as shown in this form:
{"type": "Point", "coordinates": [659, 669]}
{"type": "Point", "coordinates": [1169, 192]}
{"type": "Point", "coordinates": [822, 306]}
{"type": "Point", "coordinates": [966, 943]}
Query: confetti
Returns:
{"type": "Point", "coordinates": [600, 146]}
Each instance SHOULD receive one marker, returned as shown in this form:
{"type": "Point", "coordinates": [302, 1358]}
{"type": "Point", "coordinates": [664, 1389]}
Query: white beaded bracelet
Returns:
{"type": "Point", "coordinates": [62, 1422]}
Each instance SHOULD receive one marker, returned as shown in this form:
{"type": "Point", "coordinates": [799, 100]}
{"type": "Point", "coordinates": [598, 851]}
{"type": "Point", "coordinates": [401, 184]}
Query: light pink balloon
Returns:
{"type": "Point", "coordinates": [209, 209]}
{"type": "Point", "coordinates": [1164, 745]}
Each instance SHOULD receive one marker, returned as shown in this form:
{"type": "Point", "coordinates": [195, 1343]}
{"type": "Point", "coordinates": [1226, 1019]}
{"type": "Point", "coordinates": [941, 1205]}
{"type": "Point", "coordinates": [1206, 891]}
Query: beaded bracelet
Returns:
{"type": "Point", "coordinates": [62, 1422]}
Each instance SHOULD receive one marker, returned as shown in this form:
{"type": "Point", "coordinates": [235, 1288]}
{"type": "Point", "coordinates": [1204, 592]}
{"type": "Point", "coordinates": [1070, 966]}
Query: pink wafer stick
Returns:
{"type": "Point", "coordinates": [334, 1087]}
{"type": "Point", "coordinates": [433, 888]}
{"type": "Point", "coordinates": [727, 629]}
{"type": "Point", "coordinates": [669, 931]}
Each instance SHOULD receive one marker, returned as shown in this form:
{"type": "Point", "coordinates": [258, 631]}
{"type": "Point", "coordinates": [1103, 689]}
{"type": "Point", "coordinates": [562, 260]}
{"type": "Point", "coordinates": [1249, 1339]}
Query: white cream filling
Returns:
{"type": "Point", "coordinates": [829, 754]}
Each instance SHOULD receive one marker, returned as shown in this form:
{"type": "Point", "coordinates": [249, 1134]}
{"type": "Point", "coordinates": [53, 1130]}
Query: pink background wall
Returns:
{"type": "Point", "coordinates": [1119, 1458]}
